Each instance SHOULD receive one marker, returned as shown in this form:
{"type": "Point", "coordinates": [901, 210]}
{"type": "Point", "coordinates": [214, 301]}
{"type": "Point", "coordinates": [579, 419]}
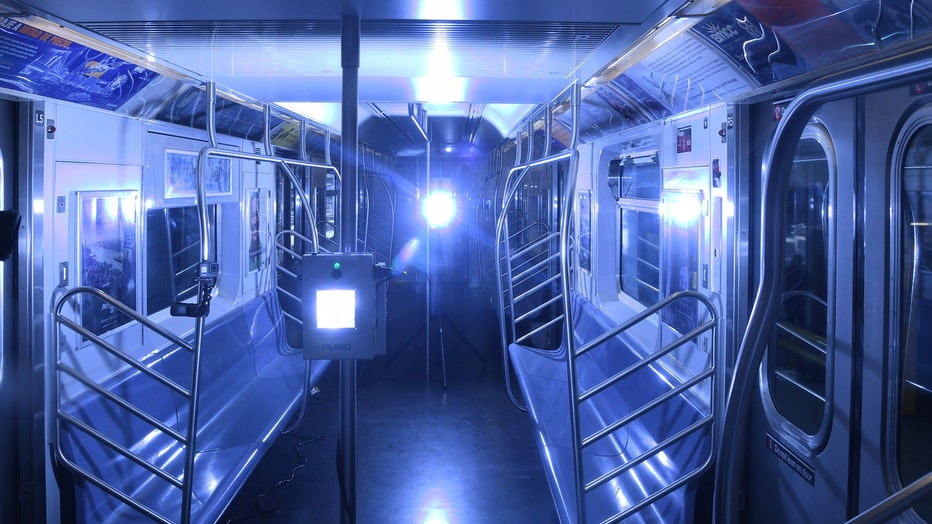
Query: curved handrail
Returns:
{"type": "Point", "coordinates": [61, 319]}
{"type": "Point", "coordinates": [123, 308]}
{"type": "Point", "coordinates": [897, 503]}
{"type": "Point", "coordinates": [392, 198]}
{"type": "Point", "coordinates": [776, 168]}
{"type": "Point", "coordinates": [569, 154]}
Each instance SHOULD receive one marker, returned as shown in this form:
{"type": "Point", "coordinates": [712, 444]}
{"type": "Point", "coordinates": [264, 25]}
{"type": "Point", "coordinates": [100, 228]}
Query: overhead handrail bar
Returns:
{"type": "Point", "coordinates": [284, 163]}
{"type": "Point", "coordinates": [776, 164]}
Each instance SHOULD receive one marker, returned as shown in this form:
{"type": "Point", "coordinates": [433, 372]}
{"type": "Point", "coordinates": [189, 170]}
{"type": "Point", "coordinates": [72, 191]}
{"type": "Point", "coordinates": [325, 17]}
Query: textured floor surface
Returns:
{"type": "Point", "coordinates": [425, 454]}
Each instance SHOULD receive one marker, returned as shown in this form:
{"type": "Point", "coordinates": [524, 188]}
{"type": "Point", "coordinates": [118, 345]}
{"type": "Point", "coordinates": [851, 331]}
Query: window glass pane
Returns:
{"type": "Point", "coordinates": [640, 177]}
{"type": "Point", "coordinates": [915, 413]}
{"type": "Point", "coordinates": [682, 223]}
{"type": "Point", "coordinates": [797, 370]}
{"type": "Point", "coordinates": [173, 250]}
{"type": "Point", "coordinates": [640, 255]}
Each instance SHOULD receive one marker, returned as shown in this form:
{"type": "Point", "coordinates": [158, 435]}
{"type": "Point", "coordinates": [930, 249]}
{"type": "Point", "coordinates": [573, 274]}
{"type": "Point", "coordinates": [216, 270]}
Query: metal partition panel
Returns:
{"type": "Point", "coordinates": [63, 322]}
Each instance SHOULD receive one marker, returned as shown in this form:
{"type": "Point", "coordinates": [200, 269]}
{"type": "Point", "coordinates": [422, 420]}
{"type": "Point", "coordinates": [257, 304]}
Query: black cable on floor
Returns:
{"type": "Point", "coordinates": [261, 510]}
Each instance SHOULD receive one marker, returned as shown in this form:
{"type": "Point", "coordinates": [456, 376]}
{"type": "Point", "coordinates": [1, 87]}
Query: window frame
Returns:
{"type": "Point", "coordinates": [815, 130]}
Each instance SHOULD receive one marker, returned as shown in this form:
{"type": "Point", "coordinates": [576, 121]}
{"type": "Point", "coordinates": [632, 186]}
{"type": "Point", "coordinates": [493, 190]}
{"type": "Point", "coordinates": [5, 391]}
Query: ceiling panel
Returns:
{"type": "Point", "coordinates": [388, 48]}
{"type": "Point", "coordinates": [517, 53]}
{"type": "Point", "coordinates": [618, 11]}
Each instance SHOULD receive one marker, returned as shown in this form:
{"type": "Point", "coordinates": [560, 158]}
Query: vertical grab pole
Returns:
{"type": "Point", "coordinates": [349, 39]}
{"type": "Point", "coordinates": [203, 297]}
{"type": "Point", "coordinates": [569, 335]}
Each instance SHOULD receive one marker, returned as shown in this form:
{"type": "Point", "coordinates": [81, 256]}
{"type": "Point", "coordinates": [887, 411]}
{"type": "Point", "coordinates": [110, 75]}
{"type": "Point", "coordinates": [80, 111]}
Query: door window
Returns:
{"type": "Point", "coordinates": [914, 423]}
{"type": "Point", "coordinates": [798, 363]}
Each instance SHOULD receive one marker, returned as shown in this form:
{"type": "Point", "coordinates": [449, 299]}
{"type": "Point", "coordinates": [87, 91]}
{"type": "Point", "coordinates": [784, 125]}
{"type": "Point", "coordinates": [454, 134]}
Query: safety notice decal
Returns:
{"type": "Point", "coordinates": [791, 459]}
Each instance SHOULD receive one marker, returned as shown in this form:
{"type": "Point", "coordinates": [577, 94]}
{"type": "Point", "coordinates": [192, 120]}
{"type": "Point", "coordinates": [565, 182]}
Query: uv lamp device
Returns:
{"type": "Point", "coordinates": [339, 306]}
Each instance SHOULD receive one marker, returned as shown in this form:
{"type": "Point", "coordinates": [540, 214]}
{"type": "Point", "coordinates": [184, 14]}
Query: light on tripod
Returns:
{"type": "Point", "coordinates": [439, 209]}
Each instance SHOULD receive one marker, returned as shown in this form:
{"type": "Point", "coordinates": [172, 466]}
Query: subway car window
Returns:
{"type": "Point", "coordinates": [915, 411]}
{"type": "Point", "coordinates": [639, 224]}
{"type": "Point", "coordinates": [173, 249]}
{"type": "Point", "coordinates": [640, 255]}
{"type": "Point", "coordinates": [797, 368]}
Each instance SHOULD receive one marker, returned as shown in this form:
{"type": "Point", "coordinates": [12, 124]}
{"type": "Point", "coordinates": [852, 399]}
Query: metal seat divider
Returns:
{"type": "Point", "coordinates": [504, 278]}
{"type": "Point", "coordinates": [656, 355]}
{"type": "Point", "coordinates": [539, 308]}
{"type": "Point", "coordinates": [536, 267]}
{"type": "Point", "coordinates": [648, 454]}
{"type": "Point", "coordinates": [62, 321]}
{"type": "Point", "coordinates": [707, 373]}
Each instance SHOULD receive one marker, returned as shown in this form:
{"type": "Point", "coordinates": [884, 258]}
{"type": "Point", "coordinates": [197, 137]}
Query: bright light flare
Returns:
{"type": "Point", "coordinates": [439, 209]}
{"type": "Point", "coordinates": [683, 211]}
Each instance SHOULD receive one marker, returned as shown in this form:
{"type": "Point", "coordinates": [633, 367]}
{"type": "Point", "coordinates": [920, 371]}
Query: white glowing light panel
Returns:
{"type": "Point", "coordinates": [336, 309]}
{"type": "Point", "coordinates": [339, 306]}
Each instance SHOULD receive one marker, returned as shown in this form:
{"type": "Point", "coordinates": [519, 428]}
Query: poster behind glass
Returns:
{"type": "Point", "coordinates": [107, 255]}
{"type": "Point", "coordinates": [682, 232]}
{"type": "Point", "coordinates": [585, 231]}
{"type": "Point", "coordinates": [181, 175]}
{"type": "Point", "coordinates": [257, 203]}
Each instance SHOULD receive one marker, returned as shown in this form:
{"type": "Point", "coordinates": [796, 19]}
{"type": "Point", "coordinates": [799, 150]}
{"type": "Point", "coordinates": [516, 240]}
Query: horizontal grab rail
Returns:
{"type": "Point", "coordinates": [542, 327]}
{"type": "Point", "coordinates": [536, 242]}
{"type": "Point", "coordinates": [645, 361]}
{"type": "Point", "coordinates": [119, 448]}
{"type": "Point", "coordinates": [897, 503]}
{"type": "Point", "coordinates": [120, 495]}
{"type": "Point", "coordinates": [122, 308]}
{"type": "Point", "coordinates": [142, 415]}
{"type": "Point", "coordinates": [539, 308]}
{"type": "Point", "coordinates": [131, 361]}
{"type": "Point", "coordinates": [653, 451]}
{"type": "Point", "coordinates": [623, 421]}
{"type": "Point", "coordinates": [640, 317]}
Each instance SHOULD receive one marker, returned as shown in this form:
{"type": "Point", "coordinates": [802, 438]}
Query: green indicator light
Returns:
{"type": "Point", "coordinates": [336, 265]}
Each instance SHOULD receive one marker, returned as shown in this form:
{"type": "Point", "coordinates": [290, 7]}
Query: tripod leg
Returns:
{"type": "Point", "coordinates": [443, 360]}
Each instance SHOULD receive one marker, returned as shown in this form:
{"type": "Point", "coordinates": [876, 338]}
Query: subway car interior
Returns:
{"type": "Point", "coordinates": [439, 261]}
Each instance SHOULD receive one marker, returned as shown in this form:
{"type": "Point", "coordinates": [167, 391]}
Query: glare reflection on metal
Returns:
{"type": "Point", "coordinates": [683, 211]}
{"type": "Point", "coordinates": [434, 507]}
{"type": "Point", "coordinates": [329, 114]}
{"type": "Point", "coordinates": [505, 116]}
{"type": "Point", "coordinates": [442, 84]}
